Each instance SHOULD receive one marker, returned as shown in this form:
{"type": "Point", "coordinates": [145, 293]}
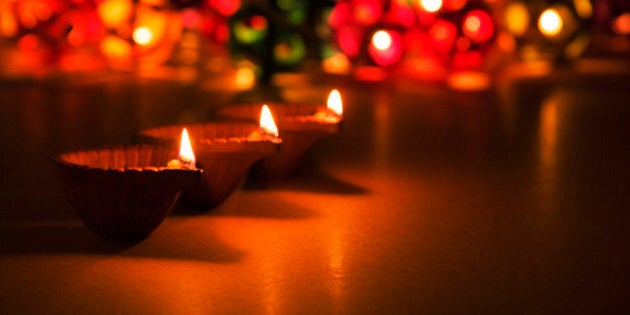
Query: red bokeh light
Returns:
{"type": "Point", "coordinates": [443, 35]}
{"type": "Point", "coordinates": [453, 5]}
{"type": "Point", "coordinates": [367, 12]}
{"type": "Point", "coordinates": [258, 22]}
{"type": "Point", "coordinates": [349, 40]}
{"type": "Point", "coordinates": [28, 42]}
{"type": "Point", "coordinates": [400, 14]}
{"type": "Point", "coordinates": [467, 60]}
{"type": "Point", "coordinates": [225, 7]}
{"type": "Point", "coordinates": [222, 33]}
{"type": "Point", "coordinates": [339, 15]}
{"type": "Point", "coordinates": [478, 26]}
{"type": "Point", "coordinates": [385, 53]}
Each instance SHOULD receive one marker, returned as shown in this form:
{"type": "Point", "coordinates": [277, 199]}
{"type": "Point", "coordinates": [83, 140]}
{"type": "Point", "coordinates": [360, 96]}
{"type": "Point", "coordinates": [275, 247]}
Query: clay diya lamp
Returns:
{"type": "Point", "coordinates": [300, 126]}
{"type": "Point", "coordinates": [225, 151]}
{"type": "Point", "coordinates": [123, 194]}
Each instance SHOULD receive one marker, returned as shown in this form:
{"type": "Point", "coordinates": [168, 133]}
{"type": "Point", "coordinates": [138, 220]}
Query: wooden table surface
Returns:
{"type": "Point", "coordinates": [511, 201]}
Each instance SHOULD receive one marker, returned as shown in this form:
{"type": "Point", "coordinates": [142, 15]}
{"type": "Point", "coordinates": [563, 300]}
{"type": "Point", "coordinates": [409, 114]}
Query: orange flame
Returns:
{"type": "Point", "coordinates": [186, 154]}
{"type": "Point", "coordinates": [334, 102]}
{"type": "Point", "coordinates": [267, 124]}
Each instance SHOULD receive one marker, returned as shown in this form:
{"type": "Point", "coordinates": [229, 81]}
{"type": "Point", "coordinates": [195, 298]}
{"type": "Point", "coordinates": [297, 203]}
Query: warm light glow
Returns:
{"type": "Point", "coordinates": [516, 18]}
{"type": "Point", "coordinates": [621, 25]}
{"type": "Point", "coordinates": [443, 34]}
{"type": "Point", "coordinates": [337, 63]}
{"type": "Point", "coordinates": [28, 42]}
{"type": "Point", "coordinates": [115, 47]}
{"type": "Point", "coordinates": [506, 42]}
{"type": "Point", "coordinates": [339, 14]}
{"type": "Point", "coordinates": [334, 102]}
{"type": "Point", "coordinates": [143, 35]}
{"type": "Point", "coordinates": [367, 12]}
{"type": "Point", "coordinates": [468, 81]}
{"type": "Point", "coordinates": [114, 13]}
{"type": "Point", "coordinates": [225, 7]}
{"type": "Point", "coordinates": [349, 40]}
{"type": "Point", "coordinates": [583, 8]}
{"type": "Point", "coordinates": [8, 21]}
{"type": "Point", "coordinates": [478, 26]}
{"type": "Point", "coordinates": [548, 132]}
{"type": "Point", "coordinates": [267, 124]}
{"type": "Point", "coordinates": [41, 11]}
{"type": "Point", "coordinates": [186, 154]}
{"type": "Point", "coordinates": [245, 77]}
{"type": "Point", "coordinates": [386, 47]}
{"type": "Point", "coordinates": [431, 5]}
{"type": "Point", "coordinates": [381, 40]}
{"type": "Point", "coordinates": [550, 23]}
{"type": "Point", "coordinates": [454, 5]}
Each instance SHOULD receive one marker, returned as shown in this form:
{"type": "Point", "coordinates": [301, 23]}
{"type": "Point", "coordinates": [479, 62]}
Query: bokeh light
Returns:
{"type": "Point", "coordinates": [478, 26]}
{"type": "Point", "coordinates": [385, 47]}
{"type": "Point", "coordinates": [550, 23]}
{"type": "Point", "coordinates": [431, 5]}
{"type": "Point", "coordinates": [143, 36]}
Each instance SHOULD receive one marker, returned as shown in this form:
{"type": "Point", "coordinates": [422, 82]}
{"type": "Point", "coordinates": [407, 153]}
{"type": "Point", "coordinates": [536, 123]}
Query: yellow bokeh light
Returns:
{"type": "Point", "coordinates": [113, 13]}
{"type": "Point", "coordinates": [516, 18]}
{"type": "Point", "coordinates": [245, 77]}
{"type": "Point", "coordinates": [115, 47]}
{"type": "Point", "coordinates": [550, 23]}
{"type": "Point", "coordinates": [584, 8]}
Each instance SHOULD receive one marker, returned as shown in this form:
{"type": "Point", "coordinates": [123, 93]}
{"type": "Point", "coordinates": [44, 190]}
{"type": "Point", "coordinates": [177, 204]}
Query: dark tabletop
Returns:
{"type": "Point", "coordinates": [515, 200]}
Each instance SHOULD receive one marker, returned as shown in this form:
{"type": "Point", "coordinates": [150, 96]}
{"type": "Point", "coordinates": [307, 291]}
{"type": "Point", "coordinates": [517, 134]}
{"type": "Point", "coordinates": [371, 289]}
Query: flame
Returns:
{"type": "Point", "coordinates": [550, 22]}
{"type": "Point", "coordinates": [334, 102]}
{"type": "Point", "coordinates": [186, 153]}
{"type": "Point", "coordinates": [267, 124]}
{"type": "Point", "coordinates": [381, 40]}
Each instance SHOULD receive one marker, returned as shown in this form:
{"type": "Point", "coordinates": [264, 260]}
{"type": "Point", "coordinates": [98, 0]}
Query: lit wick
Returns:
{"type": "Point", "coordinates": [267, 126]}
{"type": "Point", "coordinates": [334, 108]}
{"type": "Point", "coordinates": [186, 158]}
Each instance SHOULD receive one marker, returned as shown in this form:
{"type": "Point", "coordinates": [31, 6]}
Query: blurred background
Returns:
{"type": "Point", "coordinates": [240, 44]}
